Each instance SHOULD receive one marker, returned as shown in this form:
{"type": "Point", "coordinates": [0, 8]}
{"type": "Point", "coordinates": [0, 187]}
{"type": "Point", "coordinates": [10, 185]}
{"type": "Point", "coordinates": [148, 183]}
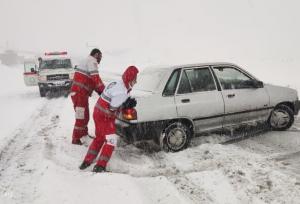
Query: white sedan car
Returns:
{"type": "Point", "coordinates": [175, 103]}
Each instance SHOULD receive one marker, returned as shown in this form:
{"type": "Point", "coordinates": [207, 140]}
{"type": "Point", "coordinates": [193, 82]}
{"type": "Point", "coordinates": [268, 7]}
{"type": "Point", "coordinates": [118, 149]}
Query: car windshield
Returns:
{"type": "Point", "coordinates": [56, 64]}
{"type": "Point", "coordinates": [149, 81]}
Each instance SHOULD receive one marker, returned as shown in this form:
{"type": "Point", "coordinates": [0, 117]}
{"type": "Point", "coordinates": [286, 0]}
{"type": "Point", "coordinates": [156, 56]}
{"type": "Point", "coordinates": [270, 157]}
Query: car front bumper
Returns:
{"type": "Point", "coordinates": [66, 85]}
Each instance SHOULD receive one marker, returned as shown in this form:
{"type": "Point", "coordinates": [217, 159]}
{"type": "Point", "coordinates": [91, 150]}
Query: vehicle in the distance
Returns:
{"type": "Point", "coordinates": [176, 103]}
{"type": "Point", "coordinates": [52, 72]}
{"type": "Point", "coordinates": [55, 72]}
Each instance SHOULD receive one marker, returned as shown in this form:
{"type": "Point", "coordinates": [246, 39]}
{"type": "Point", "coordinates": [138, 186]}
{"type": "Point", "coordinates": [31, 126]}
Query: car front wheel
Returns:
{"type": "Point", "coordinates": [176, 137]}
{"type": "Point", "coordinates": [281, 118]}
{"type": "Point", "coordinates": [42, 92]}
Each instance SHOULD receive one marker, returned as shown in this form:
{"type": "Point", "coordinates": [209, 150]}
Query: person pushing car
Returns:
{"type": "Point", "coordinates": [86, 80]}
{"type": "Point", "coordinates": [112, 101]}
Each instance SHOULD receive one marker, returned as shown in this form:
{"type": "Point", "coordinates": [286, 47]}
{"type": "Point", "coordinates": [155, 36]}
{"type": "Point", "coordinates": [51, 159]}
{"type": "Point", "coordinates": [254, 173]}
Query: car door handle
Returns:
{"type": "Point", "coordinates": [231, 95]}
{"type": "Point", "coordinates": [185, 100]}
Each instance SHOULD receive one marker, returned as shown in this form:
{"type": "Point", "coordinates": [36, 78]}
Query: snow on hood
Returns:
{"type": "Point", "coordinates": [279, 93]}
{"type": "Point", "coordinates": [281, 88]}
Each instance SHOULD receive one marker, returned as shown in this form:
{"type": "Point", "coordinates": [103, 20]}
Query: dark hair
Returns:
{"type": "Point", "coordinates": [95, 51]}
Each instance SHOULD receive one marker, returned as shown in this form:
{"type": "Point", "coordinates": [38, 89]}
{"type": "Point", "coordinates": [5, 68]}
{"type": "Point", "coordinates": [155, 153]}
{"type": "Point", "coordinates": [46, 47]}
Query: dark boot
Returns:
{"type": "Point", "coordinates": [76, 142]}
{"type": "Point", "coordinates": [98, 169]}
{"type": "Point", "coordinates": [84, 165]}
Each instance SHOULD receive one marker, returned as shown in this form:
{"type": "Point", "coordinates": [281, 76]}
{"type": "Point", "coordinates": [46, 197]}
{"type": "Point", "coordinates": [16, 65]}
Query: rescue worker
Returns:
{"type": "Point", "coordinates": [114, 98]}
{"type": "Point", "coordinates": [86, 80]}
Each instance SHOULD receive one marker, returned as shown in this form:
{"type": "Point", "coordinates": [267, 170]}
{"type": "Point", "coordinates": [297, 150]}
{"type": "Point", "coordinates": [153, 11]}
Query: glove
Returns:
{"type": "Point", "coordinates": [129, 103]}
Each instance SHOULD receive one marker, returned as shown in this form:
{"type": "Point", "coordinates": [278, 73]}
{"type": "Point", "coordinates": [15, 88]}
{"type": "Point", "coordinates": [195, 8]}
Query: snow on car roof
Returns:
{"type": "Point", "coordinates": [172, 67]}
{"type": "Point", "coordinates": [151, 77]}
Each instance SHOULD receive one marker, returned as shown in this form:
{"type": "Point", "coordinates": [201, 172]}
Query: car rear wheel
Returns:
{"type": "Point", "coordinates": [281, 118]}
{"type": "Point", "coordinates": [176, 137]}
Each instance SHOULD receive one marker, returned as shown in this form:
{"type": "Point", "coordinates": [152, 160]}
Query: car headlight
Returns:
{"type": "Point", "coordinates": [71, 76]}
{"type": "Point", "coordinates": [42, 78]}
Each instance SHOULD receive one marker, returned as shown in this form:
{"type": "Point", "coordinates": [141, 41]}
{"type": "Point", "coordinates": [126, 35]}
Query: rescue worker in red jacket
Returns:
{"type": "Point", "coordinates": [110, 103]}
{"type": "Point", "coordinates": [86, 80]}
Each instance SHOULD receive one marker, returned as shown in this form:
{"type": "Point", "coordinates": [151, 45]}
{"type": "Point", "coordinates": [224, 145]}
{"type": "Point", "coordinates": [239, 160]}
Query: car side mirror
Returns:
{"type": "Point", "coordinates": [32, 70]}
{"type": "Point", "coordinates": [258, 84]}
{"type": "Point", "coordinates": [252, 84]}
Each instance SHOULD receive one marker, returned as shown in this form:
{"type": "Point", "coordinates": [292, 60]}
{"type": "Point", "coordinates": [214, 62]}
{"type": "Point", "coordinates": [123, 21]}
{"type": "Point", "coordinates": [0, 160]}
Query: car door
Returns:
{"type": "Point", "coordinates": [30, 73]}
{"type": "Point", "coordinates": [198, 99]}
{"type": "Point", "coordinates": [243, 101]}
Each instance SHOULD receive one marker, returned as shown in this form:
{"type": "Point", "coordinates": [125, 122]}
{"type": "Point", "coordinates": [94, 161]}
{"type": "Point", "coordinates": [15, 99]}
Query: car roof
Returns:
{"type": "Point", "coordinates": [55, 57]}
{"type": "Point", "coordinates": [172, 67]}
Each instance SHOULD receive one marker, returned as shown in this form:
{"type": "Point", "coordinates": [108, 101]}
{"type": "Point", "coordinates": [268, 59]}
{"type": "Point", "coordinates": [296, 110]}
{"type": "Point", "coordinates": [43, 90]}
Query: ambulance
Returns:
{"type": "Point", "coordinates": [51, 72]}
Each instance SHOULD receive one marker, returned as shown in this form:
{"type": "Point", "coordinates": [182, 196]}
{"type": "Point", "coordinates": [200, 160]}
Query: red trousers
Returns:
{"type": "Point", "coordinates": [82, 115]}
{"type": "Point", "coordinates": [105, 140]}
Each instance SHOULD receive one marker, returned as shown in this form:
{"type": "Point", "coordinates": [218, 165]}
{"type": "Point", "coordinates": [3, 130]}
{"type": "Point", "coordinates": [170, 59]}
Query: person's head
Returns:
{"type": "Point", "coordinates": [97, 54]}
{"type": "Point", "coordinates": [129, 76]}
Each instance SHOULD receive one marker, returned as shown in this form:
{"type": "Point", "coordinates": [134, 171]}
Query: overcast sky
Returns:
{"type": "Point", "coordinates": [252, 33]}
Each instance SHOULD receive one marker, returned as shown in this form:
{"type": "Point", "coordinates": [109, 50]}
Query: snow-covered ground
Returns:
{"type": "Point", "coordinates": [38, 164]}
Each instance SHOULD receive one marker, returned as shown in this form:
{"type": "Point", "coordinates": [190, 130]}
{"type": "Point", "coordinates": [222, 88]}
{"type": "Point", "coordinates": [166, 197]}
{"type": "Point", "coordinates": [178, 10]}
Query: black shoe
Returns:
{"type": "Point", "coordinates": [98, 169]}
{"type": "Point", "coordinates": [84, 165]}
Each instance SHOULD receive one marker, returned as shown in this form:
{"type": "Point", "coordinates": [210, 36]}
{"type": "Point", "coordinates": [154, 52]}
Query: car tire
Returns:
{"type": "Point", "coordinates": [42, 92]}
{"type": "Point", "coordinates": [176, 137]}
{"type": "Point", "coordinates": [281, 118]}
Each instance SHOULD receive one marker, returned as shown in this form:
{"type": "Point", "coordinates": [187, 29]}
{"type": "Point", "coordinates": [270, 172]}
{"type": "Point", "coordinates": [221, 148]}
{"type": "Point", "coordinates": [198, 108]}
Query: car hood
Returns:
{"type": "Point", "coordinates": [280, 94]}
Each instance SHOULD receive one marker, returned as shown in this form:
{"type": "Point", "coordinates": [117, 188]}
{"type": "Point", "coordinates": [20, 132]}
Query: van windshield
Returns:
{"type": "Point", "coordinates": [56, 64]}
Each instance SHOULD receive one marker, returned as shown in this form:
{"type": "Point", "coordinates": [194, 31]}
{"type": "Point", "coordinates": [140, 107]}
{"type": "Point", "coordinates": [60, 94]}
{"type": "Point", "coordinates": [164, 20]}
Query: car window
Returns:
{"type": "Point", "coordinates": [196, 80]}
{"type": "Point", "coordinates": [184, 86]}
{"type": "Point", "coordinates": [231, 78]}
{"type": "Point", "coordinates": [171, 85]}
{"type": "Point", "coordinates": [29, 67]}
{"type": "Point", "coordinates": [201, 79]}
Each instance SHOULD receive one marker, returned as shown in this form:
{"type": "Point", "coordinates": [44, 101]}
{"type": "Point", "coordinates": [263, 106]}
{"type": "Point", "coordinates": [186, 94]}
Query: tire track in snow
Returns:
{"type": "Point", "coordinates": [21, 162]}
{"type": "Point", "coordinates": [191, 191]}
{"type": "Point", "coordinates": [161, 165]}
{"type": "Point", "coordinates": [18, 138]}
{"type": "Point", "coordinates": [287, 155]}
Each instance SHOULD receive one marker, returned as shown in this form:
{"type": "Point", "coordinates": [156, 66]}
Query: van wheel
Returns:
{"type": "Point", "coordinates": [281, 118]}
{"type": "Point", "coordinates": [42, 92]}
{"type": "Point", "coordinates": [176, 137]}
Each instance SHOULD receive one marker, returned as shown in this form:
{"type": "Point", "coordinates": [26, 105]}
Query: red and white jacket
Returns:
{"type": "Point", "coordinates": [111, 99]}
{"type": "Point", "coordinates": [116, 93]}
{"type": "Point", "coordinates": [86, 78]}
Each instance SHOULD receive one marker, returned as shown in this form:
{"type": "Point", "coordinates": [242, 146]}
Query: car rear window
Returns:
{"type": "Point", "coordinates": [171, 85]}
{"type": "Point", "coordinates": [149, 80]}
